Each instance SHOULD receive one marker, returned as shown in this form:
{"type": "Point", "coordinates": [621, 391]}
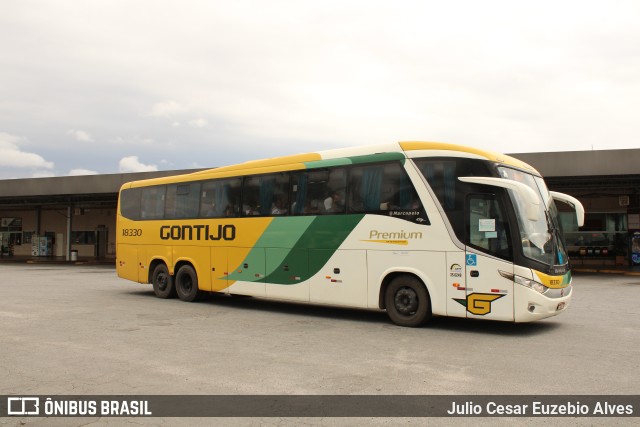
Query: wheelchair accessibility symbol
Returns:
{"type": "Point", "coordinates": [472, 260]}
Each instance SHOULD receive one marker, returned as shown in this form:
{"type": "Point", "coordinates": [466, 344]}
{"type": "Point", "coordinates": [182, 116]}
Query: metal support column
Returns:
{"type": "Point", "coordinates": [38, 218]}
{"type": "Point", "coordinates": [69, 233]}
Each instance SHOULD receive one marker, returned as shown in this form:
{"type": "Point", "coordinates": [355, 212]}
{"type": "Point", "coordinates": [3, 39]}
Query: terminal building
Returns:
{"type": "Point", "coordinates": [75, 216]}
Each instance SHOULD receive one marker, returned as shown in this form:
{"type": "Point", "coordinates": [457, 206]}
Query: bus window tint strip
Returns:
{"type": "Point", "coordinates": [379, 188]}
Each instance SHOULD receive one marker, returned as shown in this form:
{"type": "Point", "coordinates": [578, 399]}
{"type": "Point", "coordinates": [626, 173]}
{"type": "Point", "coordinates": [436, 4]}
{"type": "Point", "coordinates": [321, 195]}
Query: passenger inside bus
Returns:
{"type": "Point", "coordinates": [333, 203]}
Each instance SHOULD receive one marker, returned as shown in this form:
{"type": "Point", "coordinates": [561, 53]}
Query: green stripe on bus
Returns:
{"type": "Point", "coordinates": [379, 157]}
{"type": "Point", "coordinates": [356, 160]}
{"type": "Point", "coordinates": [281, 233]}
{"type": "Point", "coordinates": [319, 242]}
{"type": "Point", "coordinates": [284, 232]}
{"type": "Point", "coordinates": [288, 260]}
{"type": "Point", "coordinates": [343, 161]}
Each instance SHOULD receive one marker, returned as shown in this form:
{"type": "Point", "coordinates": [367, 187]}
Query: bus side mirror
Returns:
{"type": "Point", "coordinates": [571, 201]}
{"type": "Point", "coordinates": [525, 193]}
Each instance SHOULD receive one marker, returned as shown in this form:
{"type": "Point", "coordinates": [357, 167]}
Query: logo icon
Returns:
{"type": "Point", "coordinates": [479, 304]}
{"type": "Point", "coordinates": [23, 406]}
{"type": "Point", "coordinates": [455, 270]}
{"type": "Point", "coordinates": [472, 260]}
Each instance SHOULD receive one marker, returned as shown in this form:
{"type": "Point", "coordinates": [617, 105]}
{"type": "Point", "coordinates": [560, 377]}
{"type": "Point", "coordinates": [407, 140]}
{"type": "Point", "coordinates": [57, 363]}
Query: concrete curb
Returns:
{"type": "Point", "coordinates": [605, 271]}
{"type": "Point", "coordinates": [78, 262]}
{"type": "Point", "coordinates": [11, 260]}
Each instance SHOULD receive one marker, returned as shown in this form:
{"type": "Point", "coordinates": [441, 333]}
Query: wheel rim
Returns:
{"type": "Point", "coordinates": [406, 301]}
{"type": "Point", "coordinates": [162, 282]}
{"type": "Point", "coordinates": [186, 284]}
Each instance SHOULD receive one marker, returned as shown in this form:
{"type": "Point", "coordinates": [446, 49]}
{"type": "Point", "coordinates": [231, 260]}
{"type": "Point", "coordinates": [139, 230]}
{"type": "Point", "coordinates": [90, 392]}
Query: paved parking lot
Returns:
{"type": "Point", "coordinates": [82, 330]}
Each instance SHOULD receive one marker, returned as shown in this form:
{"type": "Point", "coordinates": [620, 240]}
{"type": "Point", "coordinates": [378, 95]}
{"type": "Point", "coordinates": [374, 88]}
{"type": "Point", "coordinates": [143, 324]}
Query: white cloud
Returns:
{"type": "Point", "coordinates": [198, 123]}
{"type": "Point", "coordinates": [177, 113]}
{"type": "Point", "coordinates": [167, 109]}
{"type": "Point", "coordinates": [81, 172]}
{"type": "Point", "coordinates": [42, 174]}
{"type": "Point", "coordinates": [80, 135]}
{"type": "Point", "coordinates": [132, 164]}
{"type": "Point", "coordinates": [12, 156]}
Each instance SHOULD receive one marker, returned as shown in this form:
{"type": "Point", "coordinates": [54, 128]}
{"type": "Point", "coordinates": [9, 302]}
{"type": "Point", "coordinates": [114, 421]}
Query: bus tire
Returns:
{"type": "Point", "coordinates": [162, 282]}
{"type": "Point", "coordinates": [407, 301]}
{"type": "Point", "coordinates": [187, 284]}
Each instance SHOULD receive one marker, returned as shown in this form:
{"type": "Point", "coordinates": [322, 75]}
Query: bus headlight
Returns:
{"type": "Point", "coordinates": [536, 286]}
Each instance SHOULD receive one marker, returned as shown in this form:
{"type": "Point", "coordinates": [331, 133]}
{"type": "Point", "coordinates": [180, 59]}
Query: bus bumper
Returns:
{"type": "Point", "coordinates": [530, 305]}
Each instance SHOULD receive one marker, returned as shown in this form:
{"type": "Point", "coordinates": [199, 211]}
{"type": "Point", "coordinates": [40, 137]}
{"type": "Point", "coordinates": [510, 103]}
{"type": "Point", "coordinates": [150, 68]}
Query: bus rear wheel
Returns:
{"type": "Point", "coordinates": [407, 301]}
{"type": "Point", "coordinates": [162, 282]}
{"type": "Point", "coordinates": [187, 284]}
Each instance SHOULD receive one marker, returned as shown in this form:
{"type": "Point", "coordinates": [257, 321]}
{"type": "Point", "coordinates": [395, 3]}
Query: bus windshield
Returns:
{"type": "Point", "coordinates": [541, 240]}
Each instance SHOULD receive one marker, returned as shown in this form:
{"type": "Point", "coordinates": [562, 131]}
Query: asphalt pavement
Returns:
{"type": "Point", "coordinates": [79, 329]}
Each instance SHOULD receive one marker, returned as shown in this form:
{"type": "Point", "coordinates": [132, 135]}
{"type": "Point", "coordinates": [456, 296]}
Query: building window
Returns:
{"type": "Point", "coordinates": [83, 237]}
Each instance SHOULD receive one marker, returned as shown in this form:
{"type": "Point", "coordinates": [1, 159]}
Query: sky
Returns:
{"type": "Point", "coordinates": [109, 86]}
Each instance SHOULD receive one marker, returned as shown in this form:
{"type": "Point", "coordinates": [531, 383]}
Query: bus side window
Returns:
{"type": "Point", "coordinates": [279, 195]}
{"type": "Point", "coordinates": [152, 204]}
{"type": "Point", "coordinates": [219, 198]}
{"type": "Point", "coordinates": [232, 188]}
{"type": "Point", "coordinates": [130, 203]}
{"type": "Point", "coordinates": [208, 206]}
{"type": "Point", "coordinates": [332, 192]}
{"type": "Point", "coordinates": [382, 188]}
{"type": "Point", "coordinates": [487, 227]}
{"type": "Point", "coordinates": [300, 202]}
{"type": "Point", "coordinates": [265, 195]}
{"type": "Point", "coordinates": [442, 177]}
{"type": "Point", "coordinates": [182, 200]}
{"type": "Point", "coordinates": [318, 191]}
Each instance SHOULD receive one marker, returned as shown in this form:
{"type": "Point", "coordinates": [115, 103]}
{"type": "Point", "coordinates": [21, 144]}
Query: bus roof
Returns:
{"type": "Point", "coordinates": [475, 152]}
{"type": "Point", "coordinates": [341, 156]}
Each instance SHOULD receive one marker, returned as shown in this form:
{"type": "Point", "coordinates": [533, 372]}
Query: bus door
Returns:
{"type": "Point", "coordinates": [489, 295]}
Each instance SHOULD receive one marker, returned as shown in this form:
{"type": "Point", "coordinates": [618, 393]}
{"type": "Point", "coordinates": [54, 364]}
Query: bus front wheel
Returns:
{"type": "Point", "coordinates": [162, 282]}
{"type": "Point", "coordinates": [407, 301]}
{"type": "Point", "coordinates": [187, 284]}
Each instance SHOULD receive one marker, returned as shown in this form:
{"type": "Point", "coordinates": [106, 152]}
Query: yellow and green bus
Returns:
{"type": "Point", "coordinates": [418, 229]}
